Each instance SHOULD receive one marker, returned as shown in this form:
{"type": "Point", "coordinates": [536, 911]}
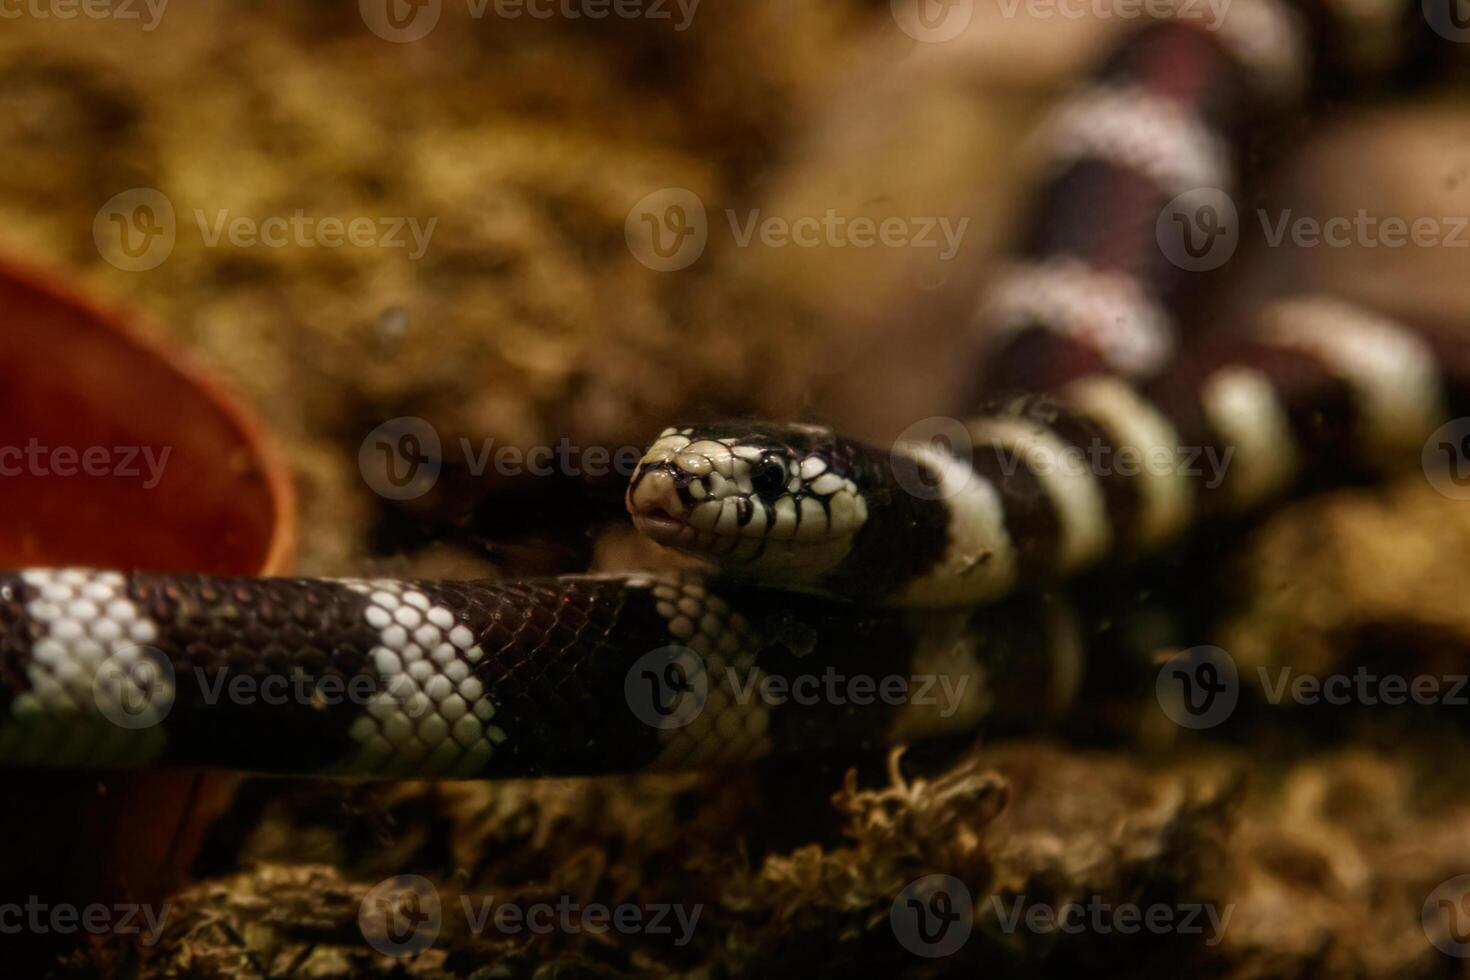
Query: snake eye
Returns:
{"type": "Point", "coordinates": [768, 478]}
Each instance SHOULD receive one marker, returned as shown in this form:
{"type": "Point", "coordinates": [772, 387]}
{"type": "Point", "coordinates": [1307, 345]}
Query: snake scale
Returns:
{"type": "Point", "coordinates": [864, 597]}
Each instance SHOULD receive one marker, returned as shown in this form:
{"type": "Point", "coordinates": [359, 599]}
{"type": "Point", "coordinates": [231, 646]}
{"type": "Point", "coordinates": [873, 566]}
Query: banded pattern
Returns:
{"type": "Point", "coordinates": [1320, 387]}
{"type": "Point", "coordinates": [1098, 283]}
{"type": "Point", "coordinates": [1102, 469]}
{"type": "Point", "coordinates": [1091, 288]}
{"type": "Point", "coordinates": [432, 712]}
{"type": "Point", "coordinates": [73, 627]}
{"type": "Point", "coordinates": [388, 679]}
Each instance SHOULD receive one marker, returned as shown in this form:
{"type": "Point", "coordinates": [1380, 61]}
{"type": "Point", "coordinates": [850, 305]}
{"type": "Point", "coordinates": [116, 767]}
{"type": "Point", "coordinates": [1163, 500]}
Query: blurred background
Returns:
{"type": "Point", "coordinates": [527, 223]}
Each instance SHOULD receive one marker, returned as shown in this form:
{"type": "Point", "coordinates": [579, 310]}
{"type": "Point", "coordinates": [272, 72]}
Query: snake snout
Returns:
{"type": "Point", "coordinates": [656, 501]}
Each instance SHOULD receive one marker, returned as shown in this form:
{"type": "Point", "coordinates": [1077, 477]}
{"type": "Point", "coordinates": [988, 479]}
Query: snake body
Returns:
{"type": "Point", "coordinates": [571, 675]}
{"type": "Point", "coordinates": [590, 674]}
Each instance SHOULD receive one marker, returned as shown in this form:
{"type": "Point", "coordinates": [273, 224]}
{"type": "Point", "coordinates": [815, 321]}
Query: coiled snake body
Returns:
{"type": "Point", "coordinates": [601, 673]}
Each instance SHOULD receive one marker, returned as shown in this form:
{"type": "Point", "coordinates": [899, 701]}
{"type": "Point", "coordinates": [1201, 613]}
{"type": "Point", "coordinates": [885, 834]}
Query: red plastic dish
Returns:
{"type": "Point", "coordinates": [116, 453]}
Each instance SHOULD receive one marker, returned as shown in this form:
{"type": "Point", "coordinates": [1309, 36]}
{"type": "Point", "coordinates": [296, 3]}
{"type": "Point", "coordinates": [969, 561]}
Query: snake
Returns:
{"type": "Point", "coordinates": [1055, 483]}
{"type": "Point", "coordinates": [858, 596]}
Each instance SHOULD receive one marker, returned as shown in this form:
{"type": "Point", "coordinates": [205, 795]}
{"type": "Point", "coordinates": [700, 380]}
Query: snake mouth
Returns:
{"type": "Point", "coordinates": [657, 501]}
{"type": "Point", "coordinates": [677, 533]}
{"type": "Point", "coordinates": [661, 526]}
{"type": "Point", "coordinates": [661, 509]}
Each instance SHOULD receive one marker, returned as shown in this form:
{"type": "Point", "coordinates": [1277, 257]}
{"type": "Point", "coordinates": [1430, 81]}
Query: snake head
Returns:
{"type": "Point", "coordinates": [781, 500]}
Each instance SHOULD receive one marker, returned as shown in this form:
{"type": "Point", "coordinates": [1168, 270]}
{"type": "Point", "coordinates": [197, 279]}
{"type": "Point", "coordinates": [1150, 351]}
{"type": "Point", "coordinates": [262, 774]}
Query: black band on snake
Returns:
{"type": "Point", "coordinates": [371, 678]}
